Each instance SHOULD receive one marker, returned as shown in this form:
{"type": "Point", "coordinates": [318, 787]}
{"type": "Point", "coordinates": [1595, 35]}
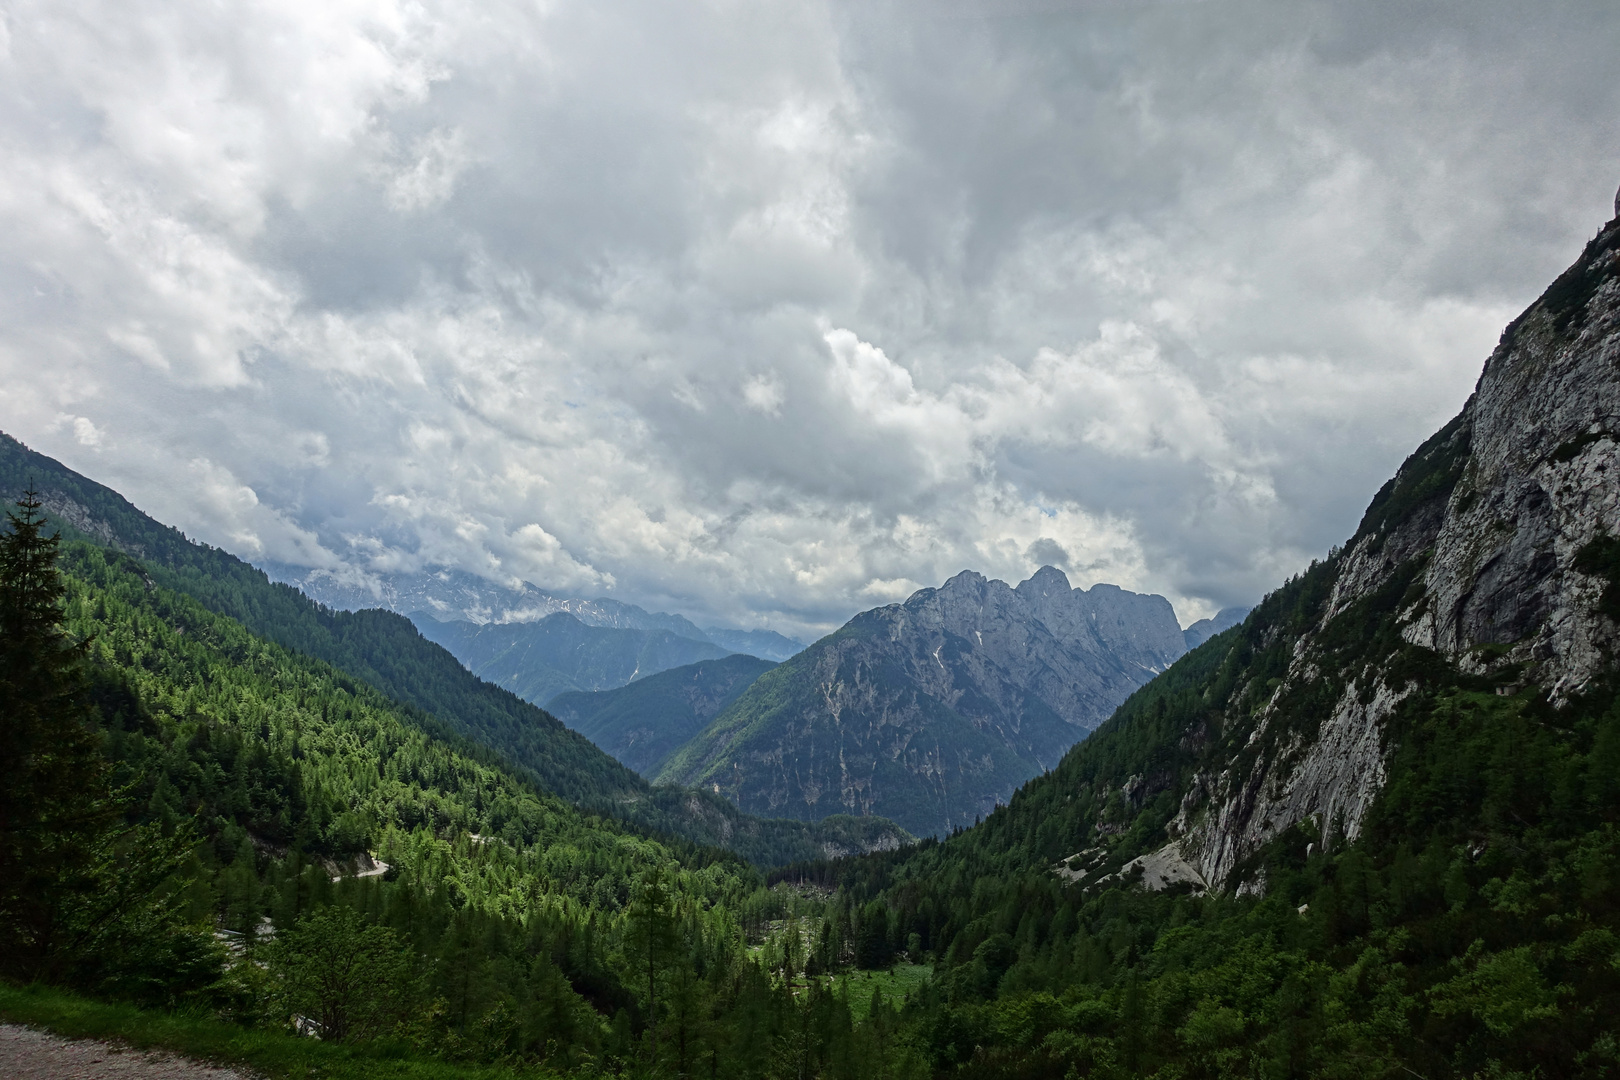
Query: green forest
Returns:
{"type": "Point", "coordinates": [385, 651]}
{"type": "Point", "coordinates": [190, 818]}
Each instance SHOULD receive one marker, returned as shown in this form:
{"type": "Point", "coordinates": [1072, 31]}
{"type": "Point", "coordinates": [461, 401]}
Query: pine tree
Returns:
{"type": "Point", "coordinates": [84, 898]}
{"type": "Point", "coordinates": [652, 939]}
{"type": "Point", "coordinates": [53, 781]}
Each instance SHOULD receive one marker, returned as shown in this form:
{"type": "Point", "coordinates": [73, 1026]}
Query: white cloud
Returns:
{"type": "Point", "coordinates": [772, 313]}
{"type": "Point", "coordinates": [763, 393]}
{"type": "Point", "coordinates": [438, 158]}
{"type": "Point", "coordinates": [86, 432]}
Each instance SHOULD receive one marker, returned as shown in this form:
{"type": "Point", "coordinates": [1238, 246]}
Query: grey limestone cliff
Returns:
{"type": "Point", "coordinates": [1483, 543]}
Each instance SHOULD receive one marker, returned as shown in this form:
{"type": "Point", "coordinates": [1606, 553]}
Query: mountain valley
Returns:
{"type": "Point", "coordinates": [539, 660]}
{"type": "Point", "coordinates": [1368, 828]}
{"type": "Point", "coordinates": [644, 723]}
{"type": "Point", "coordinates": [1371, 830]}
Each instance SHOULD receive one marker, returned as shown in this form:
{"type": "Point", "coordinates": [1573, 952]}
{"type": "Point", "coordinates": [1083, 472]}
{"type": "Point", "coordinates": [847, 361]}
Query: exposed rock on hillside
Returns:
{"type": "Point", "coordinates": [932, 711]}
{"type": "Point", "coordinates": [1490, 551]}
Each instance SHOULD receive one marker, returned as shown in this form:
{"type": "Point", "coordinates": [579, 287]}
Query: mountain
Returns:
{"type": "Point", "coordinates": [451, 595]}
{"type": "Point", "coordinates": [385, 651]}
{"type": "Point", "coordinates": [932, 711]}
{"type": "Point", "coordinates": [539, 660]}
{"type": "Point", "coordinates": [1371, 830]}
{"type": "Point", "coordinates": [765, 644]}
{"type": "Point", "coordinates": [1204, 629]}
{"type": "Point", "coordinates": [643, 723]}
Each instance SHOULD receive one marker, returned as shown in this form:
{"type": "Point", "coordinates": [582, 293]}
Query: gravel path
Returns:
{"type": "Point", "coordinates": [27, 1054]}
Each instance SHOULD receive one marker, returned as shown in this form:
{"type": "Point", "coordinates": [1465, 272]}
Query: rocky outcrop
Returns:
{"type": "Point", "coordinates": [1481, 545]}
{"type": "Point", "coordinates": [1540, 485]}
{"type": "Point", "coordinates": [1331, 779]}
{"type": "Point", "coordinates": [932, 711]}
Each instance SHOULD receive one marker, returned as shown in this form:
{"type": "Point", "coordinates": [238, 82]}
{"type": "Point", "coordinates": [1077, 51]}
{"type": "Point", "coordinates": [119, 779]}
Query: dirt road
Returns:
{"type": "Point", "coordinates": [27, 1054]}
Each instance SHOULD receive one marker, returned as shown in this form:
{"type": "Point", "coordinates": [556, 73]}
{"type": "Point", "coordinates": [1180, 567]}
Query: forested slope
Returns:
{"type": "Point", "coordinates": [379, 647]}
{"type": "Point", "coordinates": [643, 723]}
{"type": "Point", "coordinates": [386, 651]}
{"type": "Point", "coordinates": [249, 785]}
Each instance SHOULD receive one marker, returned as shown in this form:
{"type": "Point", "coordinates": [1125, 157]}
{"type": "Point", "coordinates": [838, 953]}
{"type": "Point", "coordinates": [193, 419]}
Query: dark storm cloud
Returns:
{"type": "Point", "coordinates": [774, 312]}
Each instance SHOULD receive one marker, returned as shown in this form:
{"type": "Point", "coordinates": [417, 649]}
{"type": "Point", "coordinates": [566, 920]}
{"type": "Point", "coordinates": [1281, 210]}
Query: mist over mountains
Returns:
{"type": "Point", "coordinates": [557, 359]}
{"type": "Point", "coordinates": [1410, 745]}
{"type": "Point", "coordinates": [447, 594]}
{"type": "Point", "coordinates": [1204, 629]}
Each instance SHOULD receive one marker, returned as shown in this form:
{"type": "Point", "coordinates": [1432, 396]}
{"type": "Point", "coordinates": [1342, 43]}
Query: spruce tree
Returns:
{"type": "Point", "coordinates": [53, 781]}
{"type": "Point", "coordinates": [85, 899]}
{"type": "Point", "coordinates": [651, 939]}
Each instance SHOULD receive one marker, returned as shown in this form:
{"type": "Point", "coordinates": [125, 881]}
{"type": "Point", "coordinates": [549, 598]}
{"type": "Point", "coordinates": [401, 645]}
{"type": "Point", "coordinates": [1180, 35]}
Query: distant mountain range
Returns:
{"type": "Point", "coordinates": [539, 660]}
{"type": "Point", "coordinates": [1204, 629]}
{"type": "Point", "coordinates": [642, 724]}
{"type": "Point", "coordinates": [449, 595]}
{"type": "Point", "coordinates": [929, 712]}
{"type": "Point", "coordinates": [932, 711]}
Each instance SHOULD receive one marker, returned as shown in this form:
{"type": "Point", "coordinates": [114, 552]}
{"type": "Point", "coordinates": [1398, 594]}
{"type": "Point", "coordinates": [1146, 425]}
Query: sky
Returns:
{"type": "Point", "coordinates": [771, 312]}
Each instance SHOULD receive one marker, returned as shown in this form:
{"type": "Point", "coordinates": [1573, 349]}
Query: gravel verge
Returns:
{"type": "Point", "coordinates": [30, 1054]}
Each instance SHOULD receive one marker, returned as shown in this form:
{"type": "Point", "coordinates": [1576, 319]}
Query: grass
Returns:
{"type": "Point", "coordinates": [274, 1054]}
{"type": "Point", "coordinates": [898, 983]}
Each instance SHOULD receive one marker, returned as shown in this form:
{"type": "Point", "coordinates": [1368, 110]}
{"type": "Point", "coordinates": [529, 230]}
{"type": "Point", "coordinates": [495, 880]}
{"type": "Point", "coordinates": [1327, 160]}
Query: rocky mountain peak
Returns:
{"type": "Point", "coordinates": [1049, 581]}
{"type": "Point", "coordinates": [932, 710]}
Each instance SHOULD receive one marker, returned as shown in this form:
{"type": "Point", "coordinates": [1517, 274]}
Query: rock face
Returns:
{"type": "Point", "coordinates": [931, 711]}
{"type": "Point", "coordinates": [1539, 486]}
{"type": "Point", "coordinates": [1492, 549]}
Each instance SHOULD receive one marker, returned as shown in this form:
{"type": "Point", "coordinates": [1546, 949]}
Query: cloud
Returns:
{"type": "Point", "coordinates": [764, 394]}
{"type": "Point", "coordinates": [767, 314]}
{"type": "Point", "coordinates": [86, 432]}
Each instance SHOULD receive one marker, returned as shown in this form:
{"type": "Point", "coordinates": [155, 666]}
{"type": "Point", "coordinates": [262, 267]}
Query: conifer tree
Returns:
{"type": "Point", "coordinates": [652, 937]}
{"type": "Point", "coordinates": [53, 781]}
{"type": "Point", "coordinates": [82, 895]}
